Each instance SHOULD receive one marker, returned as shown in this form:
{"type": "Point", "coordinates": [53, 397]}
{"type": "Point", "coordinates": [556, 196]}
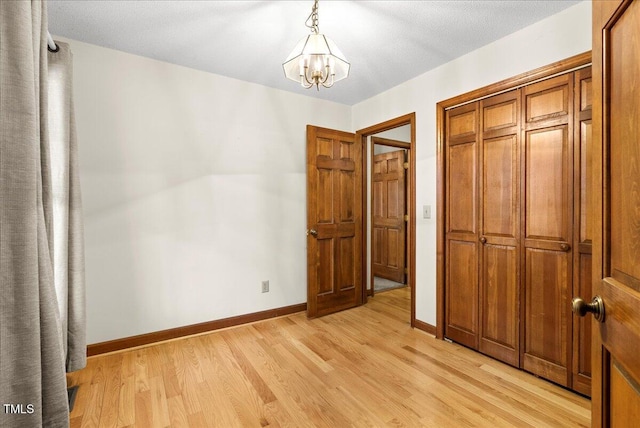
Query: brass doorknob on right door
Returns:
{"type": "Point", "coordinates": [596, 307]}
{"type": "Point", "coordinates": [312, 232]}
{"type": "Point", "coordinates": [483, 240]}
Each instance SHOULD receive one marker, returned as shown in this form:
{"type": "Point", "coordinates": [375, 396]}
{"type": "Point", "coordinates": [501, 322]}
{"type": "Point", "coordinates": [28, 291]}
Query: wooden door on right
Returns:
{"type": "Point", "coordinates": [616, 208]}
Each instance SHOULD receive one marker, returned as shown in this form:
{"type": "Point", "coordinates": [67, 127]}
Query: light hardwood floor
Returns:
{"type": "Point", "coordinates": [362, 367]}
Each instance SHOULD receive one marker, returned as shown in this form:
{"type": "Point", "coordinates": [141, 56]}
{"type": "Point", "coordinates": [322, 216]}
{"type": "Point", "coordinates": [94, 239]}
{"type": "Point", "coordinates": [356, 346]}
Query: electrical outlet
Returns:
{"type": "Point", "coordinates": [265, 286]}
{"type": "Point", "coordinates": [426, 211]}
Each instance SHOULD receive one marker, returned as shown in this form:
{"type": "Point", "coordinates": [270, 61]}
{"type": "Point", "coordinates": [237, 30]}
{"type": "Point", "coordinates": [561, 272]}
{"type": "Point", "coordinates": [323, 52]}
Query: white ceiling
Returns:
{"type": "Point", "coordinates": [386, 42]}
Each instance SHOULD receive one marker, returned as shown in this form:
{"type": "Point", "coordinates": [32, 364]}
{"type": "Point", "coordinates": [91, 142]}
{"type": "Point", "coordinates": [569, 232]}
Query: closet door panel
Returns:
{"type": "Point", "coordinates": [548, 198]}
{"type": "Point", "coordinates": [499, 228]}
{"type": "Point", "coordinates": [545, 347]}
{"type": "Point", "coordinates": [462, 293]}
{"type": "Point", "coordinates": [581, 367]}
{"type": "Point", "coordinates": [500, 187]}
{"type": "Point", "coordinates": [547, 187]}
{"type": "Point", "coordinates": [548, 101]}
{"type": "Point", "coordinates": [461, 207]}
{"type": "Point", "coordinates": [462, 194]}
{"type": "Point", "coordinates": [499, 307]}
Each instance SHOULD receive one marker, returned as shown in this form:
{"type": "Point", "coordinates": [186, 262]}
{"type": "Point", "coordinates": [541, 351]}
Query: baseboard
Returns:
{"type": "Point", "coordinates": [427, 328]}
{"type": "Point", "coordinates": [174, 333]}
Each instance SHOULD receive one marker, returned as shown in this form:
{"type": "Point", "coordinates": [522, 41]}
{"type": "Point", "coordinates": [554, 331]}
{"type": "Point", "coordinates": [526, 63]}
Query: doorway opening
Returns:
{"type": "Point", "coordinates": [389, 200]}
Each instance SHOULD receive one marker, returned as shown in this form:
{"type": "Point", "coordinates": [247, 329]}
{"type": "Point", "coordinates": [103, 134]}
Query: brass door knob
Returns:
{"type": "Point", "coordinates": [596, 307]}
{"type": "Point", "coordinates": [565, 247]}
{"type": "Point", "coordinates": [312, 232]}
{"type": "Point", "coordinates": [483, 240]}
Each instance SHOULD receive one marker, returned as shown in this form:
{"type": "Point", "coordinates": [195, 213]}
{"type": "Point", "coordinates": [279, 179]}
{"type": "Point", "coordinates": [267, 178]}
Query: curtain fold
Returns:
{"type": "Point", "coordinates": [32, 350]}
{"type": "Point", "coordinates": [68, 232]}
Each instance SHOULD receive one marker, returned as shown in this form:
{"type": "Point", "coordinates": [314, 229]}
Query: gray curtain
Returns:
{"type": "Point", "coordinates": [32, 330]}
{"type": "Point", "coordinates": [68, 233]}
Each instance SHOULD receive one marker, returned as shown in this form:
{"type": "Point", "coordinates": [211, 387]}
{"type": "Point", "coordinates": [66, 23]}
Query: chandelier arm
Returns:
{"type": "Point", "coordinates": [304, 82]}
{"type": "Point", "coordinates": [326, 74]}
{"type": "Point", "coordinates": [310, 83]}
{"type": "Point", "coordinates": [330, 84]}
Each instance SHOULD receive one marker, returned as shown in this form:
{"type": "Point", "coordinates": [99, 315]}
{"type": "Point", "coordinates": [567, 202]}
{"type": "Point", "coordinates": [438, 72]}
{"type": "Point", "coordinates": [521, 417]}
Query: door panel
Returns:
{"type": "Point", "coordinates": [389, 226]}
{"type": "Point", "coordinates": [462, 293]}
{"type": "Point", "coordinates": [545, 347]}
{"type": "Point", "coordinates": [462, 179]}
{"type": "Point", "coordinates": [499, 324]}
{"type": "Point", "coordinates": [616, 209]}
{"type": "Point", "coordinates": [583, 172]}
{"type": "Point", "coordinates": [547, 194]}
{"type": "Point", "coordinates": [334, 217]}
{"type": "Point", "coordinates": [548, 199]}
{"type": "Point", "coordinates": [548, 100]}
{"type": "Point", "coordinates": [461, 271]}
{"type": "Point", "coordinates": [499, 252]}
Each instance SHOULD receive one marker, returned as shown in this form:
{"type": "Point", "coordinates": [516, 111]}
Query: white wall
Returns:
{"type": "Point", "coordinates": [194, 184]}
{"type": "Point", "coordinates": [194, 192]}
{"type": "Point", "coordinates": [558, 37]}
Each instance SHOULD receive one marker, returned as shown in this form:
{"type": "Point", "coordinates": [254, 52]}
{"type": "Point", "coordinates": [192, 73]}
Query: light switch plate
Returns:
{"type": "Point", "coordinates": [426, 211]}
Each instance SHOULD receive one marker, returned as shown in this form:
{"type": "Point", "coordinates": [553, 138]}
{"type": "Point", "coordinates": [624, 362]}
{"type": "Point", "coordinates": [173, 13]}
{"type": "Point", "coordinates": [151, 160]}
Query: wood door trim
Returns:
{"type": "Point", "coordinates": [362, 134]}
{"type": "Point", "coordinates": [547, 71]}
{"type": "Point", "coordinates": [390, 143]}
{"type": "Point", "coordinates": [426, 327]}
{"type": "Point", "coordinates": [523, 79]}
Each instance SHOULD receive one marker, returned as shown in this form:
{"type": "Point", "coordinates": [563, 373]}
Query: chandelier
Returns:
{"type": "Point", "coordinates": [316, 60]}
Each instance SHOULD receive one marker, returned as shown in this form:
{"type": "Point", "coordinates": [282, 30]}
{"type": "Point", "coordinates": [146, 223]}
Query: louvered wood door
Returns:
{"type": "Point", "coordinates": [334, 221]}
{"type": "Point", "coordinates": [547, 188]}
{"type": "Point", "coordinates": [389, 226]}
{"type": "Point", "coordinates": [500, 227]}
{"type": "Point", "coordinates": [616, 209]}
{"type": "Point", "coordinates": [461, 294]}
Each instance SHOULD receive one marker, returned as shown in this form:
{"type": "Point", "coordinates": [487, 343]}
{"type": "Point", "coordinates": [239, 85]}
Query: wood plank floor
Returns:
{"type": "Point", "coordinates": [363, 367]}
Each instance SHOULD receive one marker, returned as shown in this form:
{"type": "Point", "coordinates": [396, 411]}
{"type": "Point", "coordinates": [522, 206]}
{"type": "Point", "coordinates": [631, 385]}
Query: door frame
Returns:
{"type": "Point", "coordinates": [564, 66]}
{"type": "Point", "coordinates": [401, 145]}
{"type": "Point", "coordinates": [362, 135]}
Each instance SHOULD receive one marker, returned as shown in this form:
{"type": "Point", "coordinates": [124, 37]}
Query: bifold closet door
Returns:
{"type": "Point", "coordinates": [499, 227]}
{"type": "Point", "coordinates": [461, 294]}
{"type": "Point", "coordinates": [547, 186]}
{"type": "Point", "coordinates": [581, 367]}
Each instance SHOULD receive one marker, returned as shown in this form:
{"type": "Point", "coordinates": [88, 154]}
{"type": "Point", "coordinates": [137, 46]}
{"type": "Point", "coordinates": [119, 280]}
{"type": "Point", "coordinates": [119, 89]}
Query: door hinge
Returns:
{"type": "Point", "coordinates": [406, 217]}
{"type": "Point", "coordinates": [406, 165]}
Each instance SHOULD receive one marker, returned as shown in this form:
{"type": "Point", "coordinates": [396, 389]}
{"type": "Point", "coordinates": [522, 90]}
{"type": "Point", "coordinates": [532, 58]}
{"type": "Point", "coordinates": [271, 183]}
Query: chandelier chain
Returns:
{"type": "Point", "coordinates": [313, 18]}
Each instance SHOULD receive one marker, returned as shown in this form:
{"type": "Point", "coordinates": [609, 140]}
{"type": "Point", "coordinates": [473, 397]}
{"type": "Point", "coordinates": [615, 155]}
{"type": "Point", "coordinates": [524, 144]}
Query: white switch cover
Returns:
{"type": "Point", "coordinates": [426, 211]}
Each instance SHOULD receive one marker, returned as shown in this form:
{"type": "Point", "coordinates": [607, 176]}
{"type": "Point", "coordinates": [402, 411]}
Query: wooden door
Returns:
{"type": "Point", "coordinates": [581, 360]}
{"type": "Point", "coordinates": [461, 225]}
{"type": "Point", "coordinates": [389, 226]}
{"type": "Point", "coordinates": [616, 209]}
{"type": "Point", "coordinates": [547, 188]}
{"type": "Point", "coordinates": [334, 221]}
{"type": "Point", "coordinates": [500, 227]}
